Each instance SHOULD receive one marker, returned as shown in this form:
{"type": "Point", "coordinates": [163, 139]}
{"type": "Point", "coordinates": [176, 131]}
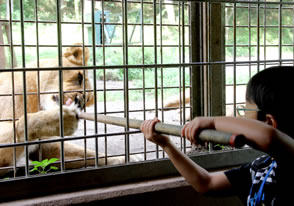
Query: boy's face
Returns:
{"type": "Point", "coordinates": [251, 113]}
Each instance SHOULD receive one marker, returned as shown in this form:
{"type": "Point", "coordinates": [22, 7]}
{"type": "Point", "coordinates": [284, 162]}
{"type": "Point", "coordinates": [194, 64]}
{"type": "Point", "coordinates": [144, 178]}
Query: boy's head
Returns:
{"type": "Point", "coordinates": [271, 90]}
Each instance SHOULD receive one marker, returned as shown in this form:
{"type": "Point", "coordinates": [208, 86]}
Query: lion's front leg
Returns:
{"type": "Point", "coordinates": [74, 155]}
{"type": "Point", "coordinates": [45, 124]}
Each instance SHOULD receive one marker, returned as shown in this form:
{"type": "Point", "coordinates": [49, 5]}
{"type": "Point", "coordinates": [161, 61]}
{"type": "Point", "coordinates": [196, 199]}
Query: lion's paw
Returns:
{"type": "Point", "coordinates": [70, 118]}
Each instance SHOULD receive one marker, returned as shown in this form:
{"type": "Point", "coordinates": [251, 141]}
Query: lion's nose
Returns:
{"type": "Point", "coordinates": [55, 98]}
{"type": "Point", "coordinates": [80, 100]}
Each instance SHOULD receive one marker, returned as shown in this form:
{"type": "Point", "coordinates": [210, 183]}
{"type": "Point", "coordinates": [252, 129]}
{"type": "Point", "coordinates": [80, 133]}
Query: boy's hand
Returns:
{"type": "Point", "coordinates": [192, 129]}
{"type": "Point", "coordinates": [148, 128]}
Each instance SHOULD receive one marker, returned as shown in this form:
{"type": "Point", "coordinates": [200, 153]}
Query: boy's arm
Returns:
{"type": "Point", "coordinates": [258, 134]}
{"type": "Point", "coordinates": [200, 179]}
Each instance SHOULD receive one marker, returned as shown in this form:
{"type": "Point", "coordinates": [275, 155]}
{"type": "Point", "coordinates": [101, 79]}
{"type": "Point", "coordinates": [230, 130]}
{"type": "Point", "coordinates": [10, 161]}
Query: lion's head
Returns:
{"type": "Point", "coordinates": [76, 84]}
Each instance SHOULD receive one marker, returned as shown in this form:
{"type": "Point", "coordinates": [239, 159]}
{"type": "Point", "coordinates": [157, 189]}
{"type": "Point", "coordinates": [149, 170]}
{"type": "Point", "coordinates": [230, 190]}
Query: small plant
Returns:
{"type": "Point", "coordinates": [42, 167]}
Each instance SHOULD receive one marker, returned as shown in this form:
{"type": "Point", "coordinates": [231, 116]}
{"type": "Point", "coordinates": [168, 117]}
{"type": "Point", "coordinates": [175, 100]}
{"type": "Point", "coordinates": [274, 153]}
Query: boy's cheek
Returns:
{"type": "Point", "coordinates": [251, 115]}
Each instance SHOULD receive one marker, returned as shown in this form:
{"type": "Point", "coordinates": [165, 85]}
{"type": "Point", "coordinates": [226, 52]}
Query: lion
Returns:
{"type": "Point", "coordinates": [43, 111]}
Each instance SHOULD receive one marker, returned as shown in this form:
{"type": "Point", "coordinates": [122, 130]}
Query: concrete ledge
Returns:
{"type": "Point", "coordinates": [165, 191]}
{"type": "Point", "coordinates": [103, 193]}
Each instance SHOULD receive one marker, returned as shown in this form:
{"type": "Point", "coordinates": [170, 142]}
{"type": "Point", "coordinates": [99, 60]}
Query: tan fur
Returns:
{"type": "Point", "coordinates": [43, 118]}
{"type": "Point", "coordinates": [174, 101]}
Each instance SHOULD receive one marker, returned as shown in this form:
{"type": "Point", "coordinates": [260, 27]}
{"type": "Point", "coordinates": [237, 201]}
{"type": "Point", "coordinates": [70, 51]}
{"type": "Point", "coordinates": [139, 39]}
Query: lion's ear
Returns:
{"type": "Point", "coordinates": [75, 55]}
{"type": "Point", "coordinates": [66, 54]}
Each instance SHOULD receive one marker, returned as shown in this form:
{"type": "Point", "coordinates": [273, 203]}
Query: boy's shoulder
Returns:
{"type": "Point", "coordinates": [262, 162]}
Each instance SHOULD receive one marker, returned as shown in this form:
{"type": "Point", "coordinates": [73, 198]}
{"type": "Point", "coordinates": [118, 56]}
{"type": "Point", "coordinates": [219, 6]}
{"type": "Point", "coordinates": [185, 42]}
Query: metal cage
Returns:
{"type": "Point", "coordinates": [142, 55]}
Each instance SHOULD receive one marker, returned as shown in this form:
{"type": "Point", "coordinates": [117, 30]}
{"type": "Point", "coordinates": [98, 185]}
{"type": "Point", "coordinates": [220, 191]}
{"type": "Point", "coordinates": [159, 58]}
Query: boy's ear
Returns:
{"type": "Point", "coordinates": [270, 120]}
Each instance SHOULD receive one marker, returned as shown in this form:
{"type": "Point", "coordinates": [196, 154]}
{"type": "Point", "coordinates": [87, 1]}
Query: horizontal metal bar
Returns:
{"type": "Point", "coordinates": [255, 6]}
{"type": "Point", "coordinates": [261, 26]}
{"type": "Point", "coordinates": [43, 141]}
{"type": "Point", "coordinates": [89, 23]}
{"type": "Point", "coordinates": [236, 84]}
{"type": "Point", "coordinates": [140, 88]}
{"type": "Point", "coordinates": [135, 45]}
{"type": "Point", "coordinates": [36, 93]}
{"type": "Point", "coordinates": [149, 65]}
{"type": "Point", "coordinates": [261, 45]}
{"type": "Point", "coordinates": [249, 2]}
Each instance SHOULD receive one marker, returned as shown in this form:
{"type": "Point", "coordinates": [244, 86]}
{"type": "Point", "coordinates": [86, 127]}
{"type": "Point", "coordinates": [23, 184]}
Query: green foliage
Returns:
{"type": "Point", "coordinates": [46, 9]}
{"type": "Point", "coordinates": [218, 147]}
{"type": "Point", "coordinates": [42, 167]}
{"type": "Point", "coordinates": [247, 35]}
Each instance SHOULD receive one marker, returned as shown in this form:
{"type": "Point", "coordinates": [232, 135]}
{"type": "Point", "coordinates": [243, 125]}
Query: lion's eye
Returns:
{"type": "Point", "coordinates": [80, 78]}
{"type": "Point", "coordinates": [76, 54]}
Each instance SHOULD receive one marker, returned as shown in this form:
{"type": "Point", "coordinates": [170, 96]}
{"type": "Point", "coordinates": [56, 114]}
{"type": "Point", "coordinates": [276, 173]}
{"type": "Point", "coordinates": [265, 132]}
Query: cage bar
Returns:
{"type": "Point", "coordinates": [196, 18]}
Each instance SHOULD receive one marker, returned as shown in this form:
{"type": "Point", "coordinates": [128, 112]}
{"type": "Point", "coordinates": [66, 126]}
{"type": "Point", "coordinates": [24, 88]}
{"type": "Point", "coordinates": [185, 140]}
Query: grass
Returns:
{"type": "Point", "coordinates": [170, 79]}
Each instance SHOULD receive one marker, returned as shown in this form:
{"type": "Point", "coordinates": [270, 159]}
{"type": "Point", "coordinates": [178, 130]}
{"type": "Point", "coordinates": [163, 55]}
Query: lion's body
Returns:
{"type": "Point", "coordinates": [42, 106]}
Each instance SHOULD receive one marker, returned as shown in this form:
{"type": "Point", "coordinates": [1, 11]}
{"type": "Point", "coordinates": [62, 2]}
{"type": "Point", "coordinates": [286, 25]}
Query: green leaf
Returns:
{"type": "Point", "coordinates": [34, 169]}
{"type": "Point", "coordinates": [53, 168]}
{"type": "Point", "coordinates": [53, 160]}
{"type": "Point", "coordinates": [44, 163]}
{"type": "Point", "coordinates": [36, 163]}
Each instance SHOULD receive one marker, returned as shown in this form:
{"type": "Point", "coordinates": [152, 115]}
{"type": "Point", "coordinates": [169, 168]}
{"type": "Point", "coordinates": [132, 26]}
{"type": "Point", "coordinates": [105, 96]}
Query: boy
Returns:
{"type": "Point", "coordinates": [266, 180]}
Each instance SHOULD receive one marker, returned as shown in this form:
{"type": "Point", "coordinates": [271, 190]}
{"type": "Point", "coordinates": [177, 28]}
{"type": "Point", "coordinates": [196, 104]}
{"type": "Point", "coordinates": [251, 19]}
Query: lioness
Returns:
{"type": "Point", "coordinates": [43, 111]}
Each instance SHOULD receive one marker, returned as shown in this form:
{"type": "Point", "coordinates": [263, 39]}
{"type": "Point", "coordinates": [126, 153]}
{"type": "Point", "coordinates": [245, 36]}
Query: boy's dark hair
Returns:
{"type": "Point", "coordinates": [272, 91]}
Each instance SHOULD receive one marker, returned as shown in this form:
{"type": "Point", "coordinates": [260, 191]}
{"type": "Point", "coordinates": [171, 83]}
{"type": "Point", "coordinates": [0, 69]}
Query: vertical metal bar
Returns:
{"type": "Point", "coordinates": [12, 87]}
{"type": "Point", "coordinates": [264, 35]}
{"type": "Point", "coordinates": [293, 32]}
{"type": "Point", "coordinates": [104, 75]}
{"type": "Point", "coordinates": [180, 70]}
{"type": "Point", "coordinates": [280, 32]}
{"type": "Point", "coordinates": [183, 59]}
{"type": "Point", "coordinates": [161, 62]}
{"type": "Point", "coordinates": [235, 59]}
{"type": "Point", "coordinates": [60, 80]}
{"type": "Point", "coordinates": [126, 79]}
{"type": "Point", "coordinates": [10, 33]}
{"type": "Point", "coordinates": [249, 37]}
{"type": "Point", "coordinates": [190, 59]}
{"type": "Point", "coordinates": [155, 69]}
{"type": "Point", "coordinates": [143, 73]}
{"type": "Point", "coordinates": [84, 82]}
{"type": "Point", "coordinates": [94, 78]}
{"type": "Point", "coordinates": [24, 88]}
{"type": "Point", "coordinates": [37, 46]}
{"type": "Point", "coordinates": [204, 55]}
{"type": "Point", "coordinates": [209, 68]}
{"type": "Point", "coordinates": [183, 68]}
{"type": "Point", "coordinates": [258, 36]}
{"type": "Point", "coordinates": [38, 65]}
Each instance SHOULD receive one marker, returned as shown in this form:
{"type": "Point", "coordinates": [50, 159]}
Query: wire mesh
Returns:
{"type": "Point", "coordinates": [140, 59]}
